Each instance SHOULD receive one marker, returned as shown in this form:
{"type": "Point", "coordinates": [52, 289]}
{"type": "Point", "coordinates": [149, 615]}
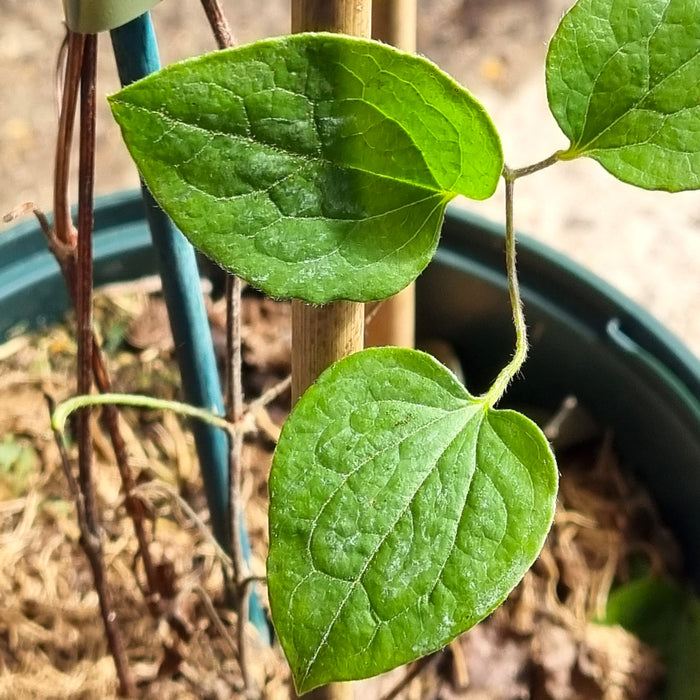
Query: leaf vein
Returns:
{"type": "Point", "coordinates": [358, 579]}
{"type": "Point", "coordinates": [259, 143]}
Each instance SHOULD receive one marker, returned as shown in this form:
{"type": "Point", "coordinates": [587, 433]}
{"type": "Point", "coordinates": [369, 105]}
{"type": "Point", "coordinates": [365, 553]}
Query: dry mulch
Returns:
{"type": "Point", "coordinates": [541, 644]}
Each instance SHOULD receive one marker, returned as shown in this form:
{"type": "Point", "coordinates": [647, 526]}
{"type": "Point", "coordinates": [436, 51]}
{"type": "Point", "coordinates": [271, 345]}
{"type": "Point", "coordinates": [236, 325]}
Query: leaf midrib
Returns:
{"type": "Point", "coordinates": [477, 410]}
{"type": "Point", "coordinates": [291, 154]}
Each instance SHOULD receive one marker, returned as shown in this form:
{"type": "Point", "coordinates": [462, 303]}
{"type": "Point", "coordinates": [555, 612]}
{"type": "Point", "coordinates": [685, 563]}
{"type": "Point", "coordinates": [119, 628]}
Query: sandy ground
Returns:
{"type": "Point", "coordinates": [644, 243]}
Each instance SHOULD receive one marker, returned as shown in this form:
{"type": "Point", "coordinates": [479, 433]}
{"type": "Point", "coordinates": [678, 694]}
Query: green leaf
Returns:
{"type": "Point", "coordinates": [650, 608]}
{"type": "Point", "coordinates": [623, 80]}
{"type": "Point", "coordinates": [402, 512]}
{"type": "Point", "coordinates": [683, 677]}
{"type": "Point", "coordinates": [666, 616]}
{"type": "Point", "coordinates": [314, 166]}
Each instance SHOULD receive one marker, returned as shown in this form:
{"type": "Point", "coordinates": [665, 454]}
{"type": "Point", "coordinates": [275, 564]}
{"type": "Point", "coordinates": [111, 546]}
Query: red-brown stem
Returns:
{"type": "Point", "coordinates": [91, 539]}
{"type": "Point", "coordinates": [62, 242]}
{"type": "Point", "coordinates": [61, 62]}
{"type": "Point", "coordinates": [83, 280]}
{"type": "Point", "coordinates": [233, 390]}
{"type": "Point", "coordinates": [110, 414]}
{"type": "Point", "coordinates": [218, 23]}
{"type": "Point", "coordinates": [63, 225]}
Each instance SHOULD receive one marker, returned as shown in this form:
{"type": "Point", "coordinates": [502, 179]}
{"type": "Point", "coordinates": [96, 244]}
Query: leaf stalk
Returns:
{"type": "Point", "coordinates": [516, 173]}
{"type": "Point", "coordinates": [510, 371]}
{"type": "Point", "coordinates": [65, 408]}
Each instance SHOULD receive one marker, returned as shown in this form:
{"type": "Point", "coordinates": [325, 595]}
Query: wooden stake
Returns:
{"type": "Point", "coordinates": [395, 22]}
{"type": "Point", "coordinates": [321, 335]}
{"type": "Point", "coordinates": [352, 17]}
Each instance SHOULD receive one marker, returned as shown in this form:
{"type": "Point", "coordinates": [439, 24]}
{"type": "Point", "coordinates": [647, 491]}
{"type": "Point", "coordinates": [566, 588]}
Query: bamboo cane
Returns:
{"type": "Point", "coordinates": [322, 335]}
{"type": "Point", "coordinates": [394, 22]}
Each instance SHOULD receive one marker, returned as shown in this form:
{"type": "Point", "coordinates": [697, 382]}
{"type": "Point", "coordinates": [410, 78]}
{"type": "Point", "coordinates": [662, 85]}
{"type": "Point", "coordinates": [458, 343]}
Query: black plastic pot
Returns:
{"type": "Point", "coordinates": [587, 339]}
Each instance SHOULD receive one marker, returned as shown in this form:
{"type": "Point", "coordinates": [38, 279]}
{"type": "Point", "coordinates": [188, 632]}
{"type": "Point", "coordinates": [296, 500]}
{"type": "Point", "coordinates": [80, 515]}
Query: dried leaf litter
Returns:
{"type": "Point", "coordinates": [540, 644]}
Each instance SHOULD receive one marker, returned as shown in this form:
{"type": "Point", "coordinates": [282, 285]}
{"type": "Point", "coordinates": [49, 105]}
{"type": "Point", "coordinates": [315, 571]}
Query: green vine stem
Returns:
{"type": "Point", "coordinates": [65, 408]}
{"type": "Point", "coordinates": [244, 424]}
{"type": "Point", "coordinates": [506, 375]}
{"type": "Point", "coordinates": [515, 173]}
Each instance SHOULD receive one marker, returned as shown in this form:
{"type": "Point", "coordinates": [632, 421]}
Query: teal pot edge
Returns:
{"type": "Point", "coordinates": [32, 293]}
{"type": "Point", "coordinates": [587, 339]}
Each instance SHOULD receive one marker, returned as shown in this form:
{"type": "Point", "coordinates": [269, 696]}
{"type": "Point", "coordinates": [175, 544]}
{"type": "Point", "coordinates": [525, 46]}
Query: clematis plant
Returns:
{"type": "Point", "coordinates": [403, 509]}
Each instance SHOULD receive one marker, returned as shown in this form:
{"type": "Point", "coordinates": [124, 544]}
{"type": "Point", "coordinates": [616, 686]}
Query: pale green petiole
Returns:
{"type": "Point", "coordinates": [65, 408]}
{"type": "Point", "coordinates": [506, 375]}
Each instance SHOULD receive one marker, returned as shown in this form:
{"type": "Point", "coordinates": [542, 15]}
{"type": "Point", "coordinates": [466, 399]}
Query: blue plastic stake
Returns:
{"type": "Point", "coordinates": [136, 53]}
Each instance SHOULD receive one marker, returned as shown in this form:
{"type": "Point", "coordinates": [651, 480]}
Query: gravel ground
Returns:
{"type": "Point", "coordinates": [644, 243]}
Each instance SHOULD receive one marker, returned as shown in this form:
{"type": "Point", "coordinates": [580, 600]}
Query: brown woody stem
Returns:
{"type": "Point", "coordinates": [234, 413]}
{"type": "Point", "coordinates": [63, 224]}
{"type": "Point", "coordinates": [218, 23]}
{"type": "Point", "coordinates": [91, 535]}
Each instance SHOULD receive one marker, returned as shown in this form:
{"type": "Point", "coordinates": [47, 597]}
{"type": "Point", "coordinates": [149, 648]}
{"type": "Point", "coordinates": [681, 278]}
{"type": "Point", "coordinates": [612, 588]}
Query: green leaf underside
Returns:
{"type": "Point", "coordinates": [314, 166]}
{"type": "Point", "coordinates": [402, 512]}
{"type": "Point", "coordinates": [623, 80]}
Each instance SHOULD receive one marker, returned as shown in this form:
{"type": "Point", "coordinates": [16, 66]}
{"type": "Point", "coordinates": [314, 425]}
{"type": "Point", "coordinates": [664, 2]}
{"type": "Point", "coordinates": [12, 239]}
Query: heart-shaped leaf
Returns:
{"type": "Point", "coordinates": [314, 166]}
{"type": "Point", "coordinates": [402, 511]}
{"type": "Point", "coordinates": [623, 80]}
